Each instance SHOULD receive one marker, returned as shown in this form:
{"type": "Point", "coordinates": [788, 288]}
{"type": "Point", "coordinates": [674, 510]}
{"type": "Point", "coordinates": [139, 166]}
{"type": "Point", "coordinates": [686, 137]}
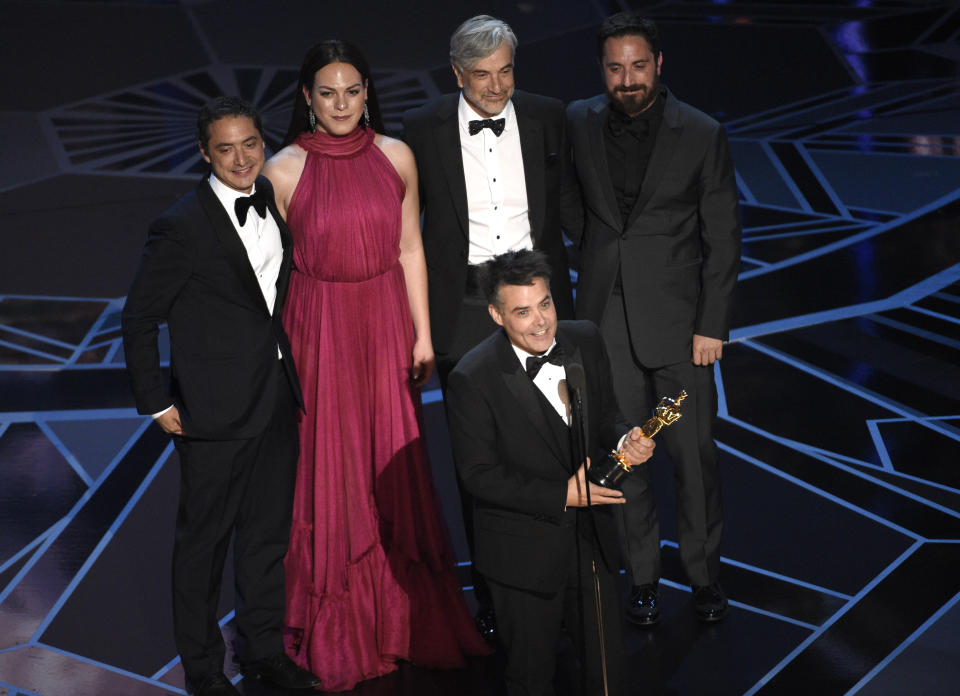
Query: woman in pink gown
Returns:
{"type": "Point", "coordinates": [370, 572]}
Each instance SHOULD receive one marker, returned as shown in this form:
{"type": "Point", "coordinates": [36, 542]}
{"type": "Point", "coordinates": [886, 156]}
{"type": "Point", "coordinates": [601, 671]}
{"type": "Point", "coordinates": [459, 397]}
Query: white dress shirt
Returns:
{"type": "Point", "coordinates": [548, 381]}
{"type": "Point", "coordinates": [260, 237]}
{"type": "Point", "coordinates": [496, 187]}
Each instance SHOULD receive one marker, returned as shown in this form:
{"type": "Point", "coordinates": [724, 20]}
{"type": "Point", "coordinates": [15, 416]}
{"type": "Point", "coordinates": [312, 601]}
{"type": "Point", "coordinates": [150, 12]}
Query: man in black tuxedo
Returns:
{"type": "Point", "coordinates": [215, 269]}
{"type": "Point", "coordinates": [539, 548]}
{"type": "Point", "coordinates": [660, 251]}
{"type": "Point", "coordinates": [493, 166]}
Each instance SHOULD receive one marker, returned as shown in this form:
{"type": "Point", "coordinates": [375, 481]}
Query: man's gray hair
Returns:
{"type": "Point", "coordinates": [477, 38]}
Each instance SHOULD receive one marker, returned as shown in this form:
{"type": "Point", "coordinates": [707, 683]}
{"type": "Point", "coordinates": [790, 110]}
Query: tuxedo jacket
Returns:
{"type": "Point", "coordinates": [433, 133]}
{"type": "Point", "coordinates": [195, 276]}
{"type": "Point", "coordinates": [679, 251]}
{"type": "Point", "coordinates": [512, 453]}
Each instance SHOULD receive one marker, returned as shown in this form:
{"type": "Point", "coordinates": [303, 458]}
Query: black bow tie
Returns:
{"type": "Point", "coordinates": [535, 362]}
{"type": "Point", "coordinates": [619, 123]}
{"type": "Point", "coordinates": [494, 124]}
{"type": "Point", "coordinates": [259, 203]}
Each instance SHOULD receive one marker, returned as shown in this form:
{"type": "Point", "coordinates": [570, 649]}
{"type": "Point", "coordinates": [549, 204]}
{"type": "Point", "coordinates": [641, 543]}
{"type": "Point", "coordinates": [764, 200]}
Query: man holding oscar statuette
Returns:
{"type": "Point", "coordinates": [523, 405]}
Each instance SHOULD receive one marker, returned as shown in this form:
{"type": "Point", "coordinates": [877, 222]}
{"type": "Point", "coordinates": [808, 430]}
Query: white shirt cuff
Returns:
{"type": "Point", "coordinates": [160, 413]}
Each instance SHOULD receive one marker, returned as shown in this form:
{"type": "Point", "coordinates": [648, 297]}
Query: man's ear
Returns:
{"type": "Point", "coordinates": [203, 152]}
{"type": "Point", "coordinates": [458, 74]}
{"type": "Point", "coordinates": [495, 314]}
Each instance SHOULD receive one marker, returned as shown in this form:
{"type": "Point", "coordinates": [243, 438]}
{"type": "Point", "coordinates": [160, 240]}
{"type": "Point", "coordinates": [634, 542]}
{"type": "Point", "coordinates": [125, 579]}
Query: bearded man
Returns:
{"type": "Point", "coordinates": [660, 249]}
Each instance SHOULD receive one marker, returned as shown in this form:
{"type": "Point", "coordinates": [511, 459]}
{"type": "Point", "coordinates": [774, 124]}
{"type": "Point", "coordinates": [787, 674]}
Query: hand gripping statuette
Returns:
{"type": "Point", "coordinates": [611, 472]}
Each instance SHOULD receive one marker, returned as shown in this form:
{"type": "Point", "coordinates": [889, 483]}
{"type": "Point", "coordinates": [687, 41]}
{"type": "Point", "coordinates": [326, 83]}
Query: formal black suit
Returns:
{"type": "Point", "coordinates": [432, 132]}
{"type": "Point", "coordinates": [678, 256]}
{"type": "Point", "coordinates": [513, 454]}
{"type": "Point", "coordinates": [237, 402]}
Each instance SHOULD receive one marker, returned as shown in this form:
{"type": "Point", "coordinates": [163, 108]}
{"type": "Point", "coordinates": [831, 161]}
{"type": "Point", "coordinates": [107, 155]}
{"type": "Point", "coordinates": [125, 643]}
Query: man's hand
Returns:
{"type": "Point", "coordinates": [636, 447]}
{"type": "Point", "coordinates": [706, 350]}
{"type": "Point", "coordinates": [170, 421]}
{"type": "Point", "coordinates": [577, 493]}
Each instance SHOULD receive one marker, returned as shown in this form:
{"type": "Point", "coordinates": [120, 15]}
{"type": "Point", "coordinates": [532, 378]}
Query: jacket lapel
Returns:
{"type": "Point", "coordinates": [596, 120]}
{"type": "Point", "coordinates": [451, 157]}
{"type": "Point", "coordinates": [533, 156]}
{"type": "Point", "coordinates": [574, 356]}
{"type": "Point", "coordinates": [525, 393]}
{"type": "Point", "coordinates": [668, 137]}
{"type": "Point", "coordinates": [233, 247]}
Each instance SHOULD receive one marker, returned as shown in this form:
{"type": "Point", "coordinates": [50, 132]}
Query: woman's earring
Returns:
{"type": "Point", "coordinates": [312, 117]}
{"type": "Point", "coordinates": [366, 115]}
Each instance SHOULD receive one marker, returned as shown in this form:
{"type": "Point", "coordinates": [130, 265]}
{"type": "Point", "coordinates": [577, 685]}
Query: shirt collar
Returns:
{"type": "Point", "coordinates": [522, 355]}
{"type": "Point", "coordinates": [227, 195]}
{"type": "Point", "coordinates": [465, 114]}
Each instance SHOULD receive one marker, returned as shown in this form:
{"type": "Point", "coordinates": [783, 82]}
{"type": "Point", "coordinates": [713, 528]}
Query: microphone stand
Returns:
{"type": "Point", "coordinates": [576, 380]}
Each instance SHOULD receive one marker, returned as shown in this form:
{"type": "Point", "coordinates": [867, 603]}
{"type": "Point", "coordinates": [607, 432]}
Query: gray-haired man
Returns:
{"type": "Point", "coordinates": [493, 163]}
{"type": "Point", "coordinates": [494, 167]}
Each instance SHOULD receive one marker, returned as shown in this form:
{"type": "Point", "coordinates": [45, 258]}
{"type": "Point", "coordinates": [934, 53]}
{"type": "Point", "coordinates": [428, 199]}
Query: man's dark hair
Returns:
{"type": "Point", "coordinates": [513, 268]}
{"type": "Point", "coordinates": [221, 107]}
{"type": "Point", "coordinates": [628, 23]}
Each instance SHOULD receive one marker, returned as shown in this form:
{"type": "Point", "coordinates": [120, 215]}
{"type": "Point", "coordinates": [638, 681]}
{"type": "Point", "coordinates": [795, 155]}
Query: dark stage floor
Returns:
{"type": "Point", "coordinates": [839, 422]}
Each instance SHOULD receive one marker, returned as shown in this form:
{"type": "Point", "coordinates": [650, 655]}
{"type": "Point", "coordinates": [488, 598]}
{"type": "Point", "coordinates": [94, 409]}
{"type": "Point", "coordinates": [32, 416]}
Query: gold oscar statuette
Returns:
{"type": "Point", "coordinates": [611, 473]}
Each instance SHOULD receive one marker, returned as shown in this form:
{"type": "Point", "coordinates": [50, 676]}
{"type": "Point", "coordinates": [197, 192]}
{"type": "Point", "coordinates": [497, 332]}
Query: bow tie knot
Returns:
{"type": "Point", "coordinates": [494, 124]}
{"type": "Point", "coordinates": [535, 362]}
{"type": "Point", "coordinates": [258, 201]}
{"type": "Point", "coordinates": [620, 124]}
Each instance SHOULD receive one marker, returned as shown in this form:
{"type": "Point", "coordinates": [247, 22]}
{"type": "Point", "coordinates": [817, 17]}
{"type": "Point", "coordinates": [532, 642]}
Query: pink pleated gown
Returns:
{"type": "Point", "coordinates": [370, 571]}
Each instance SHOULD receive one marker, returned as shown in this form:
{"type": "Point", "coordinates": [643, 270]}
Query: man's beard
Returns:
{"type": "Point", "coordinates": [634, 100]}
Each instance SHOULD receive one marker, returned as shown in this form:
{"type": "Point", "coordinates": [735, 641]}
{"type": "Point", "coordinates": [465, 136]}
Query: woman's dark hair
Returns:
{"type": "Point", "coordinates": [321, 55]}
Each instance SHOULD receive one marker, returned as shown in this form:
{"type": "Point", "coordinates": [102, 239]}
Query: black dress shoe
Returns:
{"type": "Point", "coordinates": [486, 623]}
{"type": "Point", "coordinates": [643, 606]}
{"type": "Point", "coordinates": [214, 685]}
{"type": "Point", "coordinates": [709, 602]}
{"type": "Point", "coordinates": [279, 670]}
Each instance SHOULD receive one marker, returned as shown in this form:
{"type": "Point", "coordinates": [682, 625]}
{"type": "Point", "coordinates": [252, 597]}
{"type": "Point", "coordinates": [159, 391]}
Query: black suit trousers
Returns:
{"type": "Point", "coordinates": [690, 448]}
{"type": "Point", "coordinates": [242, 488]}
{"type": "Point", "coordinates": [530, 622]}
